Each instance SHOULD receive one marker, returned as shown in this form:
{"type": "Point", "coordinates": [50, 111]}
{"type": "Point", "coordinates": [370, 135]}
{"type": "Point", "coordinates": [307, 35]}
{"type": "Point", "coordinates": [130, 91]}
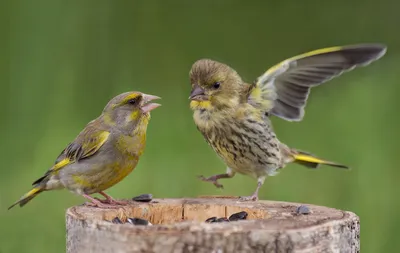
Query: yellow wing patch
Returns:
{"type": "Point", "coordinates": [93, 144]}
{"type": "Point", "coordinates": [82, 147]}
{"type": "Point", "coordinates": [61, 164]}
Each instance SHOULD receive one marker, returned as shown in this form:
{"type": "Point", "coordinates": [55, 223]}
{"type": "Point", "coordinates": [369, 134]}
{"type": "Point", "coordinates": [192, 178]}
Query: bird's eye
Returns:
{"type": "Point", "coordinates": [216, 85]}
{"type": "Point", "coordinates": [132, 101]}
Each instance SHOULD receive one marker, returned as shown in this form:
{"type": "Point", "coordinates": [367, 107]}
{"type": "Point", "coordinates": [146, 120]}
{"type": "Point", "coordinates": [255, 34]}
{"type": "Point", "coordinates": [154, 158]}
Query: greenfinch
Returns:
{"type": "Point", "coordinates": [234, 116]}
{"type": "Point", "coordinates": [104, 153]}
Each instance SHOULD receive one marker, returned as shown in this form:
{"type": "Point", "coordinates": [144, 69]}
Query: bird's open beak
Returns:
{"type": "Point", "coordinates": [198, 94]}
{"type": "Point", "coordinates": [147, 107]}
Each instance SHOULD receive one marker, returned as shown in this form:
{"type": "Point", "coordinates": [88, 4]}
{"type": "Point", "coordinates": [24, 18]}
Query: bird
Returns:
{"type": "Point", "coordinates": [103, 153]}
{"type": "Point", "coordinates": [234, 116]}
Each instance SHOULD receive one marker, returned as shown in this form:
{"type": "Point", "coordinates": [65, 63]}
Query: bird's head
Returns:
{"type": "Point", "coordinates": [129, 110]}
{"type": "Point", "coordinates": [215, 86]}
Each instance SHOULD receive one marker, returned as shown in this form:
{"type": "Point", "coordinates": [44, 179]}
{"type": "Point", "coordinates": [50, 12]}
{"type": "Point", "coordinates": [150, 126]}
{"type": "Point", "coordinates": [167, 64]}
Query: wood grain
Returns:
{"type": "Point", "coordinates": [179, 227]}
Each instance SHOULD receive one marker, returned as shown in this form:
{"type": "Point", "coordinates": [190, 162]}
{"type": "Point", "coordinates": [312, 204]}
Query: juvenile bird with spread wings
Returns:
{"type": "Point", "coordinates": [104, 153]}
{"type": "Point", "coordinates": [233, 116]}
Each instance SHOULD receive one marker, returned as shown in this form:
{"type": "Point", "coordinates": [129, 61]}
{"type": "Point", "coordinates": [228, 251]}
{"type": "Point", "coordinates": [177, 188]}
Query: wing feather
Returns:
{"type": "Point", "coordinates": [283, 89]}
{"type": "Point", "coordinates": [86, 144]}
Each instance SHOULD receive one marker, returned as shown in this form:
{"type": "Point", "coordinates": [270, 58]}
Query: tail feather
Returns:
{"type": "Point", "coordinates": [311, 161]}
{"type": "Point", "coordinates": [27, 197]}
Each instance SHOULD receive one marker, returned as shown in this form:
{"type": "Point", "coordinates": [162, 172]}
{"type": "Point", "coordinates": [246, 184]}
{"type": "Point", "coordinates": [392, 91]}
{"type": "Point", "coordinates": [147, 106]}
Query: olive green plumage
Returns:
{"type": "Point", "coordinates": [233, 115]}
{"type": "Point", "coordinates": [104, 153]}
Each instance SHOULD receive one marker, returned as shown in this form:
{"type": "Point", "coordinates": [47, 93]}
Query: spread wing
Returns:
{"type": "Point", "coordinates": [283, 90]}
{"type": "Point", "coordinates": [88, 142]}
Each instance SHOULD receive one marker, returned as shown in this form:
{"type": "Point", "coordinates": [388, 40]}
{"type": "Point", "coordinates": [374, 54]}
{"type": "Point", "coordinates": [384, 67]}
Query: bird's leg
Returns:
{"type": "Point", "coordinates": [254, 196]}
{"type": "Point", "coordinates": [111, 200]}
{"type": "Point", "coordinates": [96, 202]}
{"type": "Point", "coordinates": [214, 179]}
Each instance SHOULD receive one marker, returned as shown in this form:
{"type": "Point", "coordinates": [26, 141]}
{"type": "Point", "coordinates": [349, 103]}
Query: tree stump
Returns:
{"type": "Point", "coordinates": [178, 226]}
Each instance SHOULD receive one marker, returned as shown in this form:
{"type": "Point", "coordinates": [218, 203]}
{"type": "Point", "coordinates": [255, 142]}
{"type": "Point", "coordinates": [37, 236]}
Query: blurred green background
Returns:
{"type": "Point", "coordinates": [61, 61]}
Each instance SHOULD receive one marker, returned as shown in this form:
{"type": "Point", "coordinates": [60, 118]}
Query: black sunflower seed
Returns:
{"type": "Point", "coordinates": [138, 221]}
{"type": "Point", "coordinates": [303, 210]}
{"type": "Point", "coordinates": [116, 220]}
{"type": "Point", "coordinates": [211, 220]}
{"type": "Point", "coordinates": [238, 216]}
{"type": "Point", "coordinates": [223, 219]}
{"type": "Point", "coordinates": [143, 198]}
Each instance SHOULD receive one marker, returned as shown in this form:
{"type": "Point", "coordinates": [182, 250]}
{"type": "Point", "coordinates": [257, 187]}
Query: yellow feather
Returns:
{"type": "Point", "coordinates": [121, 170]}
{"type": "Point", "coordinates": [108, 120]}
{"type": "Point", "coordinates": [256, 92]}
{"type": "Point", "coordinates": [27, 197]}
{"type": "Point", "coordinates": [129, 97]}
{"type": "Point", "coordinates": [91, 147]}
{"type": "Point", "coordinates": [307, 158]}
{"type": "Point", "coordinates": [32, 192]}
{"type": "Point", "coordinates": [311, 53]}
{"type": "Point", "coordinates": [318, 51]}
{"type": "Point", "coordinates": [82, 182]}
{"type": "Point", "coordinates": [200, 104]}
{"type": "Point", "coordinates": [135, 115]}
{"type": "Point", "coordinates": [312, 161]}
{"type": "Point", "coordinates": [61, 164]}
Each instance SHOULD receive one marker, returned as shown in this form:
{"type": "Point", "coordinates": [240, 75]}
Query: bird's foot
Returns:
{"type": "Point", "coordinates": [254, 196]}
{"type": "Point", "coordinates": [212, 179]}
{"type": "Point", "coordinates": [103, 203]}
{"type": "Point", "coordinates": [111, 201]}
{"type": "Point", "coordinates": [99, 204]}
{"type": "Point", "coordinates": [249, 198]}
{"type": "Point", "coordinates": [119, 202]}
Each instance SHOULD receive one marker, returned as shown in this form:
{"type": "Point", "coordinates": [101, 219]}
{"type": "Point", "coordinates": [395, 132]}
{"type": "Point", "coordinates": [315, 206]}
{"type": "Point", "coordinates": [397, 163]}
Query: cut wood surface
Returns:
{"type": "Point", "coordinates": [178, 226]}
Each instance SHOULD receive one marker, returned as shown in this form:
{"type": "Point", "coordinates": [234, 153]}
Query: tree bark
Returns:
{"type": "Point", "coordinates": [178, 226]}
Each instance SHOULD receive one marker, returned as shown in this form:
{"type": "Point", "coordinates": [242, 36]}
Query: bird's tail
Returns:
{"type": "Point", "coordinates": [28, 196]}
{"type": "Point", "coordinates": [311, 161]}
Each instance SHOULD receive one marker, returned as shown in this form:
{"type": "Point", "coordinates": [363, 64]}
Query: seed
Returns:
{"type": "Point", "coordinates": [138, 221]}
{"type": "Point", "coordinates": [223, 219]}
{"type": "Point", "coordinates": [303, 210]}
{"type": "Point", "coordinates": [238, 216]}
{"type": "Point", "coordinates": [211, 220]}
{"type": "Point", "coordinates": [116, 220]}
{"type": "Point", "coordinates": [143, 198]}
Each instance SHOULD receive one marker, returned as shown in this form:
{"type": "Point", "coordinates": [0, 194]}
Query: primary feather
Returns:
{"type": "Point", "coordinates": [283, 89]}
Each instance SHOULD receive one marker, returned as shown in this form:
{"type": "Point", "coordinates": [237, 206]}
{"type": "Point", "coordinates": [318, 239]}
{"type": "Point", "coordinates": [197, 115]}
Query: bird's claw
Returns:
{"type": "Point", "coordinates": [202, 178]}
{"type": "Point", "coordinates": [213, 180]}
{"type": "Point", "coordinates": [218, 185]}
{"type": "Point", "coordinates": [101, 205]}
{"type": "Point", "coordinates": [119, 202]}
{"type": "Point", "coordinates": [112, 201]}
